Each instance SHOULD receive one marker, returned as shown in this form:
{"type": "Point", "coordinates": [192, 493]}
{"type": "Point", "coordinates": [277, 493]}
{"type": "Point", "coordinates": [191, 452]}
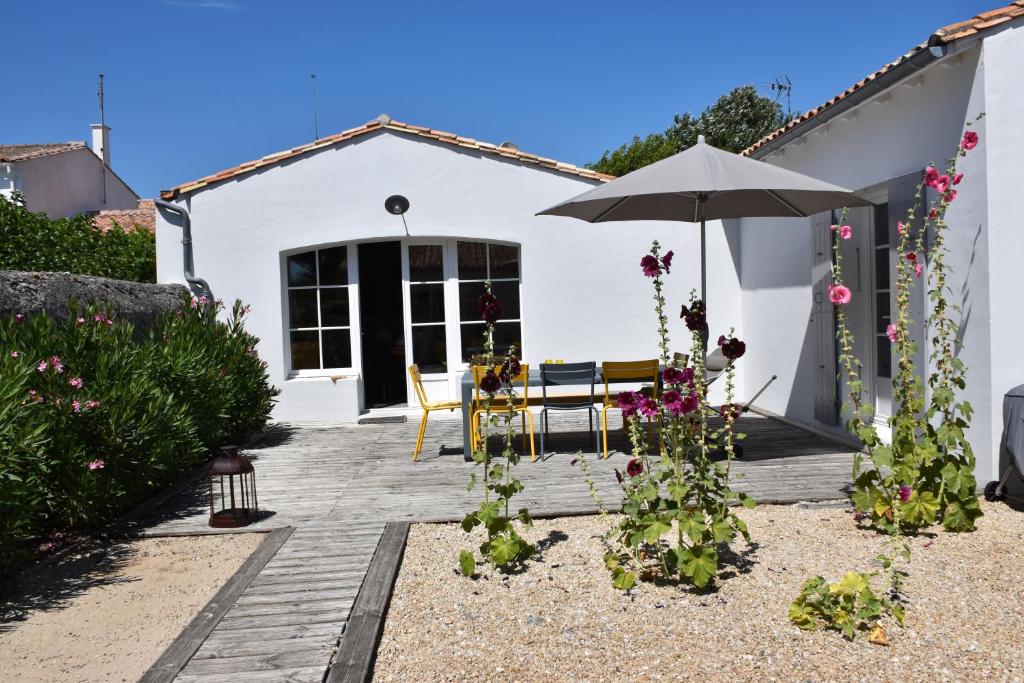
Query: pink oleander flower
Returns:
{"type": "Point", "coordinates": [949, 196]}
{"type": "Point", "coordinates": [96, 465]}
{"type": "Point", "coordinates": [892, 333]}
{"type": "Point", "coordinates": [666, 261]}
{"type": "Point", "coordinates": [931, 176]}
{"type": "Point", "coordinates": [634, 468]}
{"type": "Point", "coordinates": [839, 294]}
{"type": "Point", "coordinates": [905, 492]}
{"type": "Point", "coordinates": [957, 178]}
{"type": "Point", "coordinates": [55, 363]}
{"type": "Point", "coordinates": [918, 269]}
{"type": "Point", "coordinates": [79, 320]}
{"type": "Point", "coordinates": [970, 141]}
{"type": "Point", "coordinates": [99, 317]}
{"type": "Point", "coordinates": [15, 354]}
{"type": "Point", "coordinates": [76, 382]}
{"type": "Point", "coordinates": [648, 407]}
{"type": "Point", "coordinates": [19, 318]}
{"type": "Point", "coordinates": [76, 406]}
{"type": "Point", "coordinates": [650, 266]}
{"type": "Point", "coordinates": [93, 403]}
{"type": "Point", "coordinates": [42, 366]}
{"type": "Point", "coordinates": [845, 232]}
{"type": "Point", "coordinates": [202, 300]}
{"type": "Point", "coordinates": [46, 547]}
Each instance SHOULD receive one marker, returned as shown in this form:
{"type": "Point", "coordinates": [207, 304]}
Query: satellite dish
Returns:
{"type": "Point", "coordinates": [396, 204]}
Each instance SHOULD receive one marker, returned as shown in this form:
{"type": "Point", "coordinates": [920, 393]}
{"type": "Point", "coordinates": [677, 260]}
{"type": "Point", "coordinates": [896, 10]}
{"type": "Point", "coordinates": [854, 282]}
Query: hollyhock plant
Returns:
{"type": "Point", "coordinates": [905, 492]}
{"type": "Point", "coordinates": [845, 232]}
{"type": "Point", "coordinates": [950, 196]}
{"type": "Point", "coordinates": [634, 468]}
{"type": "Point", "coordinates": [839, 294]}
{"type": "Point", "coordinates": [650, 266]}
{"type": "Point", "coordinates": [892, 332]}
{"type": "Point", "coordinates": [694, 316]}
{"type": "Point", "coordinates": [970, 141]}
{"type": "Point", "coordinates": [732, 348]}
{"type": "Point", "coordinates": [490, 383]}
{"type": "Point", "coordinates": [648, 407]}
{"type": "Point", "coordinates": [931, 176]}
{"type": "Point", "coordinates": [666, 261]}
{"type": "Point", "coordinates": [957, 178]}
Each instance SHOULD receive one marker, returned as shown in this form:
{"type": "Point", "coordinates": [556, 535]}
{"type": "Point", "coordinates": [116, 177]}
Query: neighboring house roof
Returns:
{"type": "Point", "coordinates": [141, 218]}
{"type": "Point", "coordinates": [384, 122]}
{"type": "Point", "coordinates": [11, 153]}
{"type": "Point", "coordinates": [986, 21]}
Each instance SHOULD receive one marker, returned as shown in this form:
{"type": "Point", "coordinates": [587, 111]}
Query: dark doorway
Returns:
{"type": "Point", "coordinates": [380, 311]}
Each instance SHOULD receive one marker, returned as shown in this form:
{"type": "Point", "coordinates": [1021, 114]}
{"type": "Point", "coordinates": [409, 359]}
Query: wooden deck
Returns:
{"type": "Point", "coordinates": [339, 485]}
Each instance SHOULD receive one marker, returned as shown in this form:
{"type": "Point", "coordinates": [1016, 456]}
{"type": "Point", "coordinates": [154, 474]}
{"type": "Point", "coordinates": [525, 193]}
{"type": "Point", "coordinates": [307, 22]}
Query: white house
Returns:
{"type": "Point", "coordinates": [65, 178]}
{"type": "Point", "coordinates": [877, 137]}
{"type": "Point", "coordinates": [341, 287]}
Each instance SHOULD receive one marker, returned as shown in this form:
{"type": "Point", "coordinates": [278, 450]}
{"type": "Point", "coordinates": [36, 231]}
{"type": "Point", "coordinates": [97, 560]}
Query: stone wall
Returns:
{"type": "Point", "coordinates": [137, 302]}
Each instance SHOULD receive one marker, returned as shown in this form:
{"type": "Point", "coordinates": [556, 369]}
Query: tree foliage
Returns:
{"type": "Point", "coordinates": [34, 242]}
{"type": "Point", "coordinates": [733, 123]}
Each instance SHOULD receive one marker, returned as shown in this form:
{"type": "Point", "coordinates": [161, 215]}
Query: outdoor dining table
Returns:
{"type": "Point", "coordinates": [533, 380]}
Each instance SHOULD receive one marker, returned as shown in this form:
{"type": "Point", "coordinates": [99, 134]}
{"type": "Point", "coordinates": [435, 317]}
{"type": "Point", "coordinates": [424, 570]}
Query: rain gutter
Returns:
{"type": "Point", "coordinates": [196, 284]}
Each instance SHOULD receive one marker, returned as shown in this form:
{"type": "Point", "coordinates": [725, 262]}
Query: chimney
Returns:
{"type": "Point", "coordinates": [101, 142]}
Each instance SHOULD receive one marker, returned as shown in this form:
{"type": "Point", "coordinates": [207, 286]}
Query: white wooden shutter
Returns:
{"type": "Point", "coordinates": [823, 326]}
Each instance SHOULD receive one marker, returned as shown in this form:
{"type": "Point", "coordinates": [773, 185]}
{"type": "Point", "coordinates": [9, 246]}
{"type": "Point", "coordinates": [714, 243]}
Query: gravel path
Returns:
{"type": "Point", "coordinates": [108, 615]}
{"type": "Point", "coordinates": [561, 620]}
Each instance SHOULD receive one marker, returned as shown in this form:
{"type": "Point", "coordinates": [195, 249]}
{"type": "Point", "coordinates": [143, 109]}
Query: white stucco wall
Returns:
{"type": "Point", "coordinates": [583, 294]}
{"type": "Point", "coordinates": [70, 183]}
{"type": "Point", "coordinates": [913, 124]}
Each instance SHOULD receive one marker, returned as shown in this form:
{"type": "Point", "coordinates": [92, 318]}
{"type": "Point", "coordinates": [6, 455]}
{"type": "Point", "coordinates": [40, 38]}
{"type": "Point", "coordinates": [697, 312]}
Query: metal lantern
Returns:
{"type": "Point", "coordinates": [232, 502]}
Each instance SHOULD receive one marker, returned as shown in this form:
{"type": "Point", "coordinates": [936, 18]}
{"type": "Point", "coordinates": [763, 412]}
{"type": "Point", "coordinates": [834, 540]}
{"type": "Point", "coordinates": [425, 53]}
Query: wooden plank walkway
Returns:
{"type": "Point", "coordinates": [339, 486]}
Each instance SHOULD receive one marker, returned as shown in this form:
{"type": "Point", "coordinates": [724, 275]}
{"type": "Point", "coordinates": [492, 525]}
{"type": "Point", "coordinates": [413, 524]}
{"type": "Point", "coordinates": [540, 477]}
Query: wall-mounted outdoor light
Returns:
{"type": "Point", "coordinates": [396, 204]}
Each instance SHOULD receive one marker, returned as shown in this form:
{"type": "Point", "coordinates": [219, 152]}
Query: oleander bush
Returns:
{"type": "Point", "coordinates": [92, 422]}
{"type": "Point", "coordinates": [34, 242]}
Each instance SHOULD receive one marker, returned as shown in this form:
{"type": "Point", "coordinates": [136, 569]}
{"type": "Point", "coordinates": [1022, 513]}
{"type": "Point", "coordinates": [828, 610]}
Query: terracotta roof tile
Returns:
{"type": "Point", "coordinates": [12, 153]}
{"type": "Point", "coordinates": [385, 123]}
{"type": "Point", "coordinates": [943, 36]}
{"type": "Point", "coordinates": [141, 218]}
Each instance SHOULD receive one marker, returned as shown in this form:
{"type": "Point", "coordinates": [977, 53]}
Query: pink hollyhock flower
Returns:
{"type": "Point", "coordinates": [634, 468]}
{"type": "Point", "coordinates": [648, 407]}
{"type": "Point", "coordinates": [727, 410]}
{"type": "Point", "coordinates": [949, 196]}
{"type": "Point", "coordinates": [628, 403]}
{"type": "Point", "coordinates": [931, 176]}
{"type": "Point", "coordinates": [76, 406]}
{"type": "Point", "coordinates": [892, 333]}
{"type": "Point", "coordinates": [918, 269]}
{"type": "Point", "coordinates": [690, 403]}
{"type": "Point", "coordinates": [666, 261]}
{"type": "Point", "coordinates": [42, 366]}
{"type": "Point", "coordinates": [911, 256]}
{"type": "Point", "coordinates": [650, 266]}
{"type": "Point", "coordinates": [76, 382]}
{"type": "Point", "coordinates": [56, 364]}
{"type": "Point", "coordinates": [833, 227]}
{"type": "Point", "coordinates": [673, 376]}
{"type": "Point", "coordinates": [839, 294]}
{"type": "Point", "coordinates": [957, 178]}
{"type": "Point", "coordinates": [900, 227]}
{"type": "Point", "coordinates": [89, 405]}
{"type": "Point", "coordinates": [942, 184]}
{"type": "Point", "coordinates": [673, 402]}
{"type": "Point", "coordinates": [96, 465]}
{"type": "Point", "coordinates": [845, 232]}
{"type": "Point", "coordinates": [933, 214]}
{"type": "Point", "coordinates": [905, 492]}
{"type": "Point", "coordinates": [970, 140]}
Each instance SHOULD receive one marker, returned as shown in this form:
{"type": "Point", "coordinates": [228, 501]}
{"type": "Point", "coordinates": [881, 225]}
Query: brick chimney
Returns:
{"type": "Point", "coordinates": [101, 142]}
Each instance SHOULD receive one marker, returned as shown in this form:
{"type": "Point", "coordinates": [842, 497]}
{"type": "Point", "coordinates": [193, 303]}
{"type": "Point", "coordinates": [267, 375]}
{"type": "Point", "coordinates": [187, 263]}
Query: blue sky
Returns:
{"type": "Point", "coordinates": [194, 86]}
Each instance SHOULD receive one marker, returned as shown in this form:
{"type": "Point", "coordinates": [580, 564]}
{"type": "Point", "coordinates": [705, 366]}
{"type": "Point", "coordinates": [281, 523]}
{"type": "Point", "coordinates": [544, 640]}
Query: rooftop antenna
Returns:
{"type": "Point", "coordinates": [781, 87]}
{"type": "Point", "coordinates": [316, 130]}
{"type": "Point", "coordinates": [103, 130]}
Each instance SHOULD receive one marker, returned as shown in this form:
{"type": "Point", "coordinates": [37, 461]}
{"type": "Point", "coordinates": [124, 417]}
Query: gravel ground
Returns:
{"type": "Point", "coordinates": [562, 620]}
{"type": "Point", "coordinates": [107, 615]}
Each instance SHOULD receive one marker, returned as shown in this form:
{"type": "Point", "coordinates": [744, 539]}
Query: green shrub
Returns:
{"type": "Point", "coordinates": [35, 242]}
{"type": "Point", "coordinates": [91, 423]}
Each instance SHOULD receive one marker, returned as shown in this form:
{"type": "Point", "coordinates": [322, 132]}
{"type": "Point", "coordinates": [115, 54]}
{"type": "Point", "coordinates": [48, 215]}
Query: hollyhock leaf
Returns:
{"type": "Point", "coordinates": [467, 563]}
{"type": "Point", "coordinates": [622, 579]}
{"type": "Point", "coordinates": [504, 550]}
{"type": "Point", "coordinates": [692, 525]}
{"type": "Point", "coordinates": [722, 531]}
{"type": "Point", "coordinates": [699, 564]}
{"type": "Point", "coordinates": [655, 530]}
{"type": "Point", "coordinates": [921, 508]}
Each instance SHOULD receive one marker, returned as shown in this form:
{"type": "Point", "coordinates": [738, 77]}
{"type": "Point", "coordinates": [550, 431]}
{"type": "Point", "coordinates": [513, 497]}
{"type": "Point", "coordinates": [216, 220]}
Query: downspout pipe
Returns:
{"type": "Point", "coordinates": [197, 284]}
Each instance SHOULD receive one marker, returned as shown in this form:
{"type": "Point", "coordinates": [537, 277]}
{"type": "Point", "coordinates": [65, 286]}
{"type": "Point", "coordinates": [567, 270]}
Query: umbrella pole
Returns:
{"type": "Point", "coordinates": [703, 266]}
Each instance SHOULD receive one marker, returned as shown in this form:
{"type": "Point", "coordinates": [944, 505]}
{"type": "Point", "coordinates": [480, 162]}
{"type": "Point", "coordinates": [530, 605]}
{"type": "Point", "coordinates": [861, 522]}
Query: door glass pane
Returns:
{"type": "Point", "coordinates": [302, 308]}
{"type": "Point", "coordinates": [334, 307]}
{"type": "Point", "coordinates": [305, 350]}
{"type": "Point", "coordinates": [469, 300]}
{"type": "Point", "coordinates": [334, 266]}
{"type": "Point", "coordinates": [508, 295]}
{"type": "Point", "coordinates": [472, 340]}
{"type": "Point", "coordinates": [337, 349]}
{"type": "Point", "coordinates": [882, 268]}
{"type": "Point", "coordinates": [427, 303]}
{"type": "Point", "coordinates": [425, 263]}
{"type": "Point", "coordinates": [881, 225]}
{"type": "Point", "coordinates": [302, 269]}
{"type": "Point", "coordinates": [428, 348]}
{"type": "Point", "coordinates": [884, 356]}
{"type": "Point", "coordinates": [506, 334]}
{"type": "Point", "coordinates": [472, 260]}
{"type": "Point", "coordinates": [882, 311]}
{"type": "Point", "coordinates": [504, 261]}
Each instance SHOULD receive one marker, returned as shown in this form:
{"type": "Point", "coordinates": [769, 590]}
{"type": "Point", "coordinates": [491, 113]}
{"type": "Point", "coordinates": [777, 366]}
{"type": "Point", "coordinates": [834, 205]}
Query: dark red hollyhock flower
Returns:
{"type": "Point", "coordinates": [694, 316]}
{"type": "Point", "coordinates": [490, 383]}
{"type": "Point", "coordinates": [490, 308]}
{"type": "Point", "coordinates": [666, 261]}
{"type": "Point", "coordinates": [732, 348]}
{"type": "Point", "coordinates": [618, 475]}
{"type": "Point", "coordinates": [728, 408]}
{"type": "Point", "coordinates": [510, 369]}
{"type": "Point", "coordinates": [634, 468]}
{"type": "Point", "coordinates": [650, 266]}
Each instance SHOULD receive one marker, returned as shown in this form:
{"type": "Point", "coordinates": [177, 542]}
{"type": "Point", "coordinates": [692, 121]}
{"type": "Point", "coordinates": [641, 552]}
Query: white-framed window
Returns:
{"type": "Point", "coordinates": [319, 315]}
{"type": "Point", "coordinates": [499, 263]}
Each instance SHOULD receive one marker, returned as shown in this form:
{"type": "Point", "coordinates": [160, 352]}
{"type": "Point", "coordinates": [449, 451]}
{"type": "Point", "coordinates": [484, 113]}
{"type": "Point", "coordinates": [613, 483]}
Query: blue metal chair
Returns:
{"type": "Point", "coordinates": [568, 374]}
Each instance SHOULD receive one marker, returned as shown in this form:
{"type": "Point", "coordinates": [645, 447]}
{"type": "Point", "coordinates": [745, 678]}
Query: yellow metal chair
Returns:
{"type": "Point", "coordinates": [625, 371]}
{"type": "Point", "coordinates": [427, 405]}
{"type": "Point", "coordinates": [521, 405]}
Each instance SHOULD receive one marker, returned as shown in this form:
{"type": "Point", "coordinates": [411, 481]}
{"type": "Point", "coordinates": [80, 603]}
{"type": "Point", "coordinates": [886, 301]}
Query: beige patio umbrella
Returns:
{"type": "Point", "coordinates": [705, 183]}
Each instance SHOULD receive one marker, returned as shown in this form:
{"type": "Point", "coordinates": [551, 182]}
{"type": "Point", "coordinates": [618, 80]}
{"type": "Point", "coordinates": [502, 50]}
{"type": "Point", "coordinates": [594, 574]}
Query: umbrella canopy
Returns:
{"type": "Point", "coordinates": [706, 183]}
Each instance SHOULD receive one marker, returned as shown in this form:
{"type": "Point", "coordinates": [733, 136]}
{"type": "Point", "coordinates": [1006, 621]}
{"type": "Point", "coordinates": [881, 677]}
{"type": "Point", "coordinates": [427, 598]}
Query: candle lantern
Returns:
{"type": "Point", "coordinates": [232, 490]}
